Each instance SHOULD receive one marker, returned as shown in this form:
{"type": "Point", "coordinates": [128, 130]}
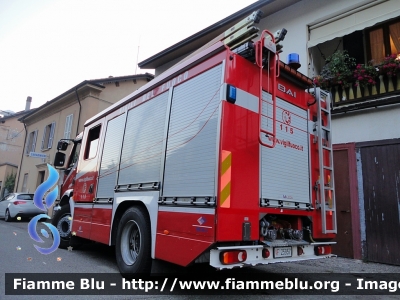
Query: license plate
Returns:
{"type": "Point", "coordinates": [282, 252]}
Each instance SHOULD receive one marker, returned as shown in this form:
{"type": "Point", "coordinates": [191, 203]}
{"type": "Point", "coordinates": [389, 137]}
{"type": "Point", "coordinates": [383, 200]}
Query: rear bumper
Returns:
{"type": "Point", "coordinates": [15, 212]}
{"type": "Point", "coordinates": [255, 255]}
{"type": "Point", "coordinates": [27, 215]}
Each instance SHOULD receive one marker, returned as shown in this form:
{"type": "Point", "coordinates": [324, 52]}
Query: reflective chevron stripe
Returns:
{"type": "Point", "coordinates": [225, 192]}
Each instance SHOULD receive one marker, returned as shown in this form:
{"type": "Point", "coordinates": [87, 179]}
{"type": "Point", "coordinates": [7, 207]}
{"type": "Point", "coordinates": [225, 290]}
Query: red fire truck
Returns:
{"type": "Point", "coordinates": [225, 158]}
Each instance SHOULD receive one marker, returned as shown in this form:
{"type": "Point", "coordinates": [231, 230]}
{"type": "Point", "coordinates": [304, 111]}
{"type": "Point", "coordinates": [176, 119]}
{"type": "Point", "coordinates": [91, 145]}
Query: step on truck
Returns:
{"type": "Point", "coordinates": [225, 158]}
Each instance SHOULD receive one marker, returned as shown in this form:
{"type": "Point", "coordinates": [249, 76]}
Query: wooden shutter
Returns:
{"type": "Point", "coordinates": [68, 126]}
{"type": "Point", "coordinates": [28, 144]}
{"type": "Point", "coordinates": [50, 143]}
{"type": "Point", "coordinates": [44, 137]}
{"type": "Point", "coordinates": [34, 141]}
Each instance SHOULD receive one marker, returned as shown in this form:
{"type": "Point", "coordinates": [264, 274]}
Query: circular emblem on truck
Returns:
{"type": "Point", "coordinates": [286, 117]}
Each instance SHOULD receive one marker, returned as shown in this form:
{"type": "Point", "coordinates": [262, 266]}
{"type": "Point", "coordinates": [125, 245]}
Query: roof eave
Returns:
{"type": "Point", "coordinates": [146, 75]}
{"type": "Point", "coordinates": [63, 95]}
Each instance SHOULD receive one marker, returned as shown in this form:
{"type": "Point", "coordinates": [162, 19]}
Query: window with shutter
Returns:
{"type": "Point", "coordinates": [48, 134]}
{"type": "Point", "coordinates": [68, 126]}
{"type": "Point", "coordinates": [25, 183]}
{"type": "Point", "coordinates": [45, 131]}
{"type": "Point", "coordinates": [31, 142]}
{"type": "Point", "coordinates": [50, 143]}
{"type": "Point", "coordinates": [28, 143]}
{"type": "Point", "coordinates": [34, 141]}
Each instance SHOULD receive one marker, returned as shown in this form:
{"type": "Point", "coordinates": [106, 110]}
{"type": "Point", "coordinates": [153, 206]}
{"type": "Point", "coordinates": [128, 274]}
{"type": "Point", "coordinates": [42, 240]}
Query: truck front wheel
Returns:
{"type": "Point", "coordinates": [133, 245]}
{"type": "Point", "coordinates": [62, 221]}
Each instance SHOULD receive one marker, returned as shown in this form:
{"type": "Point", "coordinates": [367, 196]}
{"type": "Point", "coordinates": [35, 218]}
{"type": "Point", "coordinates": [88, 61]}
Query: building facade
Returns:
{"type": "Point", "coordinates": [12, 137]}
{"type": "Point", "coordinates": [365, 119]}
{"type": "Point", "coordinates": [63, 118]}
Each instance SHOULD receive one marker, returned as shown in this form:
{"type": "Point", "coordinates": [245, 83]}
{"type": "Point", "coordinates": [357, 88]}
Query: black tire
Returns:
{"type": "Point", "coordinates": [7, 216]}
{"type": "Point", "coordinates": [62, 221]}
{"type": "Point", "coordinates": [133, 245]}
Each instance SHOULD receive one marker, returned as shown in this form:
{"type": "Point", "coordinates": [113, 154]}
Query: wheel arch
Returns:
{"type": "Point", "coordinates": [146, 199]}
{"type": "Point", "coordinates": [64, 200]}
{"type": "Point", "coordinates": [122, 207]}
{"type": "Point", "coordinates": [133, 240]}
{"type": "Point", "coordinates": [65, 197]}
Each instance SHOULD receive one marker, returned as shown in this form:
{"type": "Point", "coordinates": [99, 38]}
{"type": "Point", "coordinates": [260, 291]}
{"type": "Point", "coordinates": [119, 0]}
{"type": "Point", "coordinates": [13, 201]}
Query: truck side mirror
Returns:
{"type": "Point", "coordinates": [59, 159]}
{"type": "Point", "coordinates": [62, 146]}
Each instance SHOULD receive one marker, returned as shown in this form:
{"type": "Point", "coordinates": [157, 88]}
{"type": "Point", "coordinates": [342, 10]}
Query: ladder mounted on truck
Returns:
{"type": "Point", "coordinates": [236, 35]}
{"type": "Point", "coordinates": [325, 184]}
{"type": "Point", "coordinates": [270, 60]}
{"type": "Point", "coordinates": [242, 32]}
{"type": "Point", "coordinates": [264, 52]}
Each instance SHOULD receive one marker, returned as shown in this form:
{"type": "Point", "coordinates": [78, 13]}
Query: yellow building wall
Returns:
{"type": "Point", "coordinates": [12, 135]}
{"type": "Point", "coordinates": [93, 100]}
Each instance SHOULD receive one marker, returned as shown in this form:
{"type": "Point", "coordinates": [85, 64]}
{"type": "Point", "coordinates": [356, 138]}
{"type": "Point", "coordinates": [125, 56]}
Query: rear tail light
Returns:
{"type": "Point", "coordinates": [233, 257]}
{"type": "Point", "coordinates": [19, 202]}
{"type": "Point", "coordinates": [265, 253]}
{"type": "Point", "coordinates": [323, 250]}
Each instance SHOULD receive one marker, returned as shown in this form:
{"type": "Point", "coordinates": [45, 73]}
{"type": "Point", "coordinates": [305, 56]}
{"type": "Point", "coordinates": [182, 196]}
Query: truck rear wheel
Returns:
{"type": "Point", "coordinates": [133, 245]}
{"type": "Point", "coordinates": [62, 221]}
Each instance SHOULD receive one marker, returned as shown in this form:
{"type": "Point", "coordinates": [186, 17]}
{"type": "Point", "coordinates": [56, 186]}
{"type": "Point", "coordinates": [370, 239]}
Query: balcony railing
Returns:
{"type": "Point", "coordinates": [386, 87]}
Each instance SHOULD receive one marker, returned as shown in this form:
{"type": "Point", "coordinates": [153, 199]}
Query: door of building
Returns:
{"type": "Point", "coordinates": [381, 186]}
{"type": "Point", "coordinates": [344, 238]}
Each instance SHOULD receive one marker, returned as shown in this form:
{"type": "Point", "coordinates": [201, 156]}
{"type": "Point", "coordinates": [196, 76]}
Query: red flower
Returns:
{"type": "Point", "coordinates": [365, 75]}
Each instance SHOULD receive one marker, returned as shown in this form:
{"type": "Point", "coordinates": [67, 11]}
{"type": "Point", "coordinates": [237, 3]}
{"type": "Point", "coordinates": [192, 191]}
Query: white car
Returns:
{"type": "Point", "coordinates": [18, 204]}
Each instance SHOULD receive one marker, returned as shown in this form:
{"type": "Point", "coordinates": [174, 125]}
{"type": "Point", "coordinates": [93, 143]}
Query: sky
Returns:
{"type": "Point", "coordinates": [49, 46]}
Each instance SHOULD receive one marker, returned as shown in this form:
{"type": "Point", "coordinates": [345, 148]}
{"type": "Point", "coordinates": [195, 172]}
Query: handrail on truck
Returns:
{"type": "Point", "coordinates": [274, 70]}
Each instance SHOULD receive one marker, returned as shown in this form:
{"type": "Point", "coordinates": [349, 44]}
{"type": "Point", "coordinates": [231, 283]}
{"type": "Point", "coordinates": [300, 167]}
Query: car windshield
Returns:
{"type": "Point", "coordinates": [25, 197]}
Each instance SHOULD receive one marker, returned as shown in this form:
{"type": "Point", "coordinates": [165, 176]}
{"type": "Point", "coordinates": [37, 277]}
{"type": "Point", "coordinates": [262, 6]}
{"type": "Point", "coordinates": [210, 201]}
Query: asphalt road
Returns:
{"type": "Point", "coordinates": [18, 255]}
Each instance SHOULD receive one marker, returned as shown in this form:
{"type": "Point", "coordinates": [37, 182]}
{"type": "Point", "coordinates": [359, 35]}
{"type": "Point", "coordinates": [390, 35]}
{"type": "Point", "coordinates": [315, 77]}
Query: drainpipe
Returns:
{"type": "Point", "coordinates": [22, 158]}
{"type": "Point", "coordinates": [79, 114]}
